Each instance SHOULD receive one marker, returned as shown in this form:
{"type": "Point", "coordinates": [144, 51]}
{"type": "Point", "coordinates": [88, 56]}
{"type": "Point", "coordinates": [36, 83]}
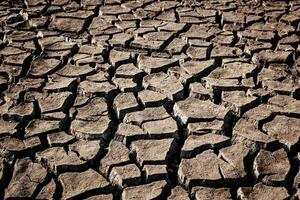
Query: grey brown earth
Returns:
{"type": "Point", "coordinates": [146, 99]}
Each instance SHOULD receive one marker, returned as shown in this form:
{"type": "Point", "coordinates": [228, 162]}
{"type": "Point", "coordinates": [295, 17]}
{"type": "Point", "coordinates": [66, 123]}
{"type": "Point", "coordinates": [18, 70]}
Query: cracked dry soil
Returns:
{"type": "Point", "coordinates": [146, 99]}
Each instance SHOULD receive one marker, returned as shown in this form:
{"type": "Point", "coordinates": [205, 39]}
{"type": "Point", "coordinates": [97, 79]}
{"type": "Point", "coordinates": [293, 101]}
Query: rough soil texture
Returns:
{"type": "Point", "coordinates": [146, 99]}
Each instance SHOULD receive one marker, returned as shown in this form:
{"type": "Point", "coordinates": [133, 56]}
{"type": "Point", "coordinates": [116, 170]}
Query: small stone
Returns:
{"type": "Point", "coordinates": [126, 85]}
{"type": "Point", "coordinates": [166, 128]}
{"type": "Point", "coordinates": [148, 114]}
{"type": "Point", "coordinates": [233, 17]}
{"type": "Point", "coordinates": [92, 110]}
{"type": "Point", "coordinates": [54, 101]}
{"type": "Point", "coordinates": [247, 129]}
{"type": "Point", "coordinates": [197, 53]}
{"type": "Point", "coordinates": [226, 52]}
{"type": "Point", "coordinates": [164, 84]}
{"type": "Point", "coordinates": [195, 144]}
{"type": "Point", "coordinates": [128, 71]}
{"type": "Point", "coordinates": [58, 83]}
{"type": "Point", "coordinates": [151, 98]}
{"type": "Point", "coordinates": [262, 36]}
{"type": "Point", "coordinates": [234, 157]}
{"type": "Point", "coordinates": [193, 110]}
{"type": "Point", "coordinates": [117, 155]}
{"type": "Point", "coordinates": [26, 177]}
{"type": "Point", "coordinates": [41, 67]}
{"type": "Point", "coordinates": [224, 39]}
{"type": "Point", "coordinates": [74, 71]}
{"type": "Point", "coordinates": [232, 169]}
{"type": "Point", "coordinates": [261, 192]}
{"type": "Point", "coordinates": [101, 197]}
{"type": "Point", "coordinates": [273, 167]}
{"type": "Point", "coordinates": [16, 60]}
{"type": "Point", "coordinates": [285, 129]}
{"type": "Point", "coordinates": [178, 193]}
{"type": "Point", "coordinates": [292, 39]}
{"type": "Point", "coordinates": [205, 193]}
{"type": "Point", "coordinates": [32, 83]}
{"type": "Point", "coordinates": [238, 101]}
{"type": "Point", "coordinates": [38, 127]}
{"type": "Point", "coordinates": [234, 70]}
{"type": "Point", "coordinates": [198, 69]}
{"type": "Point", "coordinates": [7, 127]}
{"type": "Point", "coordinates": [127, 133]}
{"type": "Point", "coordinates": [198, 91]}
{"type": "Point", "coordinates": [248, 83]}
{"type": "Point", "coordinates": [113, 10]}
{"type": "Point", "coordinates": [21, 112]}
{"type": "Point", "coordinates": [222, 84]}
{"type": "Point", "coordinates": [199, 43]}
{"type": "Point", "coordinates": [124, 176]}
{"type": "Point", "coordinates": [272, 57]}
{"type": "Point", "coordinates": [200, 128]}
{"type": "Point", "coordinates": [100, 76]}
{"type": "Point", "coordinates": [55, 116]}
{"type": "Point", "coordinates": [203, 169]}
{"type": "Point", "coordinates": [199, 32]}
{"type": "Point", "coordinates": [122, 39]}
{"type": "Point", "coordinates": [80, 101]}
{"type": "Point", "coordinates": [58, 160]}
{"type": "Point", "coordinates": [154, 65]}
{"type": "Point", "coordinates": [92, 89]}
{"type": "Point", "coordinates": [152, 23]}
{"type": "Point", "coordinates": [148, 191]}
{"type": "Point", "coordinates": [60, 50]}
{"type": "Point", "coordinates": [118, 58]}
{"type": "Point", "coordinates": [47, 191]}
{"type": "Point", "coordinates": [160, 35]}
{"type": "Point", "coordinates": [285, 102]}
{"type": "Point", "coordinates": [86, 150]}
{"type": "Point", "coordinates": [151, 151]}
{"type": "Point", "coordinates": [176, 46]}
{"type": "Point", "coordinates": [17, 146]}
{"type": "Point", "coordinates": [69, 23]}
{"type": "Point", "coordinates": [79, 183]}
{"type": "Point", "coordinates": [125, 103]}
{"type": "Point", "coordinates": [59, 139]}
{"type": "Point", "coordinates": [253, 46]}
{"type": "Point", "coordinates": [142, 43]}
{"type": "Point", "coordinates": [155, 172]}
{"type": "Point", "coordinates": [96, 129]}
{"type": "Point", "coordinates": [273, 72]}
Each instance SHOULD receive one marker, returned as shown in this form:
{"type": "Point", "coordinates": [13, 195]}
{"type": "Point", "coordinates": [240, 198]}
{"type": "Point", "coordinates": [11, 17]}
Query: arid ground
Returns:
{"type": "Point", "coordinates": [148, 99]}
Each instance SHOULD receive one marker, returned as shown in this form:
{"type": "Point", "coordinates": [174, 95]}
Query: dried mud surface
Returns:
{"type": "Point", "coordinates": [145, 99]}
